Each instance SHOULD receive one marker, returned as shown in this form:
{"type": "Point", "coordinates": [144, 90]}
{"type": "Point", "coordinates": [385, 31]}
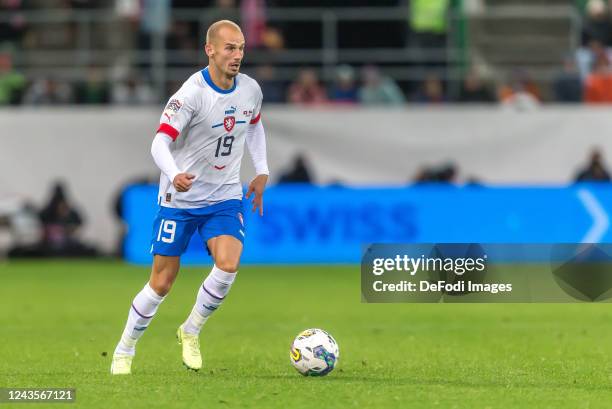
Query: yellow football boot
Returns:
{"type": "Point", "coordinates": [192, 358]}
{"type": "Point", "coordinates": [122, 364]}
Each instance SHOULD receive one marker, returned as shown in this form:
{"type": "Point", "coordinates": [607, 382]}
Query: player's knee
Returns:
{"type": "Point", "coordinates": [162, 283]}
{"type": "Point", "coordinates": [161, 286]}
{"type": "Point", "coordinates": [227, 265]}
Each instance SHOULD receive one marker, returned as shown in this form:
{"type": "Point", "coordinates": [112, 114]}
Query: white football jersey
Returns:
{"type": "Point", "coordinates": [209, 126]}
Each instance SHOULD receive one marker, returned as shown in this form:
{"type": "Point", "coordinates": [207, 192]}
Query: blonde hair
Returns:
{"type": "Point", "coordinates": [214, 28]}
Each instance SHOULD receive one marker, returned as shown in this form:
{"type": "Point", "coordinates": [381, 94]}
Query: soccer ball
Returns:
{"type": "Point", "coordinates": [314, 352]}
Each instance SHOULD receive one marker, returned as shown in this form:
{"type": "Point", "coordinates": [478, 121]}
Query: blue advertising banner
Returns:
{"type": "Point", "coordinates": [310, 224]}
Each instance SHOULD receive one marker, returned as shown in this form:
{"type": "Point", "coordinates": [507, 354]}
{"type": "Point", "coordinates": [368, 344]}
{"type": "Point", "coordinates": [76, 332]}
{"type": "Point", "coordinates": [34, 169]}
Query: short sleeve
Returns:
{"type": "Point", "coordinates": [257, 108]}
{"type": "Point", "coordinates": [177, 114]}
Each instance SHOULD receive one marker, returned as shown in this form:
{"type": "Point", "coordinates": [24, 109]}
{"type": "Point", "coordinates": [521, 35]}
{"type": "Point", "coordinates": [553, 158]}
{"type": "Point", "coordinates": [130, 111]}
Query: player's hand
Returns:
{"type": "Point", "coordinates": [257, 187]}
{"type": "Point", "coordinates": [183, 181]}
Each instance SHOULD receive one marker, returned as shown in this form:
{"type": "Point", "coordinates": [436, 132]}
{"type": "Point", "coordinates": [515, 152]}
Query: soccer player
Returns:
{"type": "Point", "coordinates": [199, 147]}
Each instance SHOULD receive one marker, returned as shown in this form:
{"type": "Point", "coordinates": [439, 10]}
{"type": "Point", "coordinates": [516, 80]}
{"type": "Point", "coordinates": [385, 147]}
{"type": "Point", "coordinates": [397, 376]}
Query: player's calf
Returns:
{"type": "Point", "coordinates": [143, 309]}
{"type": "Point", "coordinates": [211, 294]}
{"type": "Point", "coordinates": [164, 272]}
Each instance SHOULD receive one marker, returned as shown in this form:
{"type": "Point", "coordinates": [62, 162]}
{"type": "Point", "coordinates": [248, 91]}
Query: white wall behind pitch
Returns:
{"type": "Point", "coordinates": [97, 150]}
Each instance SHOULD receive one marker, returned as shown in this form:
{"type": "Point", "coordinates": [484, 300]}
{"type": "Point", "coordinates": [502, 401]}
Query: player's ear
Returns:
{"type": "Point", "coordinates": [209, 50]}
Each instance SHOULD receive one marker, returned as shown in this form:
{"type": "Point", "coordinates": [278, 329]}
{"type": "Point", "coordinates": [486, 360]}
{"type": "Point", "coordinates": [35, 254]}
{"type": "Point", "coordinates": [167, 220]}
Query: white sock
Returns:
{"type": "Point", "coordinates": [210, 296]}
{"type": "Point", "coordinates": [141, 313]}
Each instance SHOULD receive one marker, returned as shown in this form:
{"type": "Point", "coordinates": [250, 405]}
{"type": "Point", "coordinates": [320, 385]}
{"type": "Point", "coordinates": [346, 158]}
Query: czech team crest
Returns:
{"type": "Point", "coordinates": [229, 122]}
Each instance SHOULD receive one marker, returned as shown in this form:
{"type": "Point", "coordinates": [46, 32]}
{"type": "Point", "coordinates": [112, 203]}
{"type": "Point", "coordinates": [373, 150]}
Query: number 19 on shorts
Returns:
{"type": "Point", "coordinates": [167, 230]}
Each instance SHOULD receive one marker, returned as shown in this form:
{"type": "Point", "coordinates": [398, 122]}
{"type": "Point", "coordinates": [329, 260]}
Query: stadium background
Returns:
{"type": "Point", "coordinates": [387, 121]}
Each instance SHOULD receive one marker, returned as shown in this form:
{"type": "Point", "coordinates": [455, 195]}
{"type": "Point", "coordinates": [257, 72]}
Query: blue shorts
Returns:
{"type": "Point", "coordinates": [173, 228]}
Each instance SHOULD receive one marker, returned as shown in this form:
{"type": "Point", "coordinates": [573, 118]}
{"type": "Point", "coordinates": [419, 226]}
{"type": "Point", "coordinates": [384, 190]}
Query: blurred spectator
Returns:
{"type": "Point", "coordinates": [378, 89]}
{"type": "Point", "coordinates": [298, 173]}
{"type": "Point", "coordinates": [51, 34]}
{"type": "Point", "coordinates": [587, 56]}
{"type": "Point", "coordinates": [86, 4]}
{"type": "Point", "coordinates": [182, 42]}
{"type": "Point", "coordinates": [517, 98]}
{"type": "Point", "coordinates": [94, 90]}
{"type": "Point", "coordinates": [567, 85]}
{"type": "Point", "coordinates": [214, 10]}
{"type": "Point", "coordinates": [345, 90]}
{"type": "Point", "coordinates": [12, 83]}
{"type": "Point", "coordinates": [155, 16]}
{"type": "Point", "coordinates": [154, 19]}
{"type": "Point", "coordinates": [447, 173]}
{"type": "Point", "coordinates": [522, 93]}
{"type": "Point", "coordinates": [59, 217]}
{"type": "Point", "coordinates": [474, 91]}
{"type": "Point", "coordinates": [431, 91]}
{"type": "Point", "coordinates": [179, 32]}
{"type": "Point", "coordinates": [598, 85]}
{"type": "Point", "coordinates": [26, 230]}
{"type": "Point", "coordinates": [307, 90]}
{"type": "Point", "coordinates": [48, 92]}
{"type": "Point", "coordinates": [595, 171]}
{"type": "Point", "coordinates": [424, 175]}
{"type": "Point", "coordinates": [123, 32]}
{"type": "Point", "coordinates": [272, 89]}
{"type": "Point", "coordinates": [61, 222]}
{"type": "Point", "coordinates": [14, 27]}
{"type": "Point", "coordinates": [428, 23]}
{"type": "Point", "coordinates": [133, 92]}
{"type": "Point", "coordinates": [273, 39]}
{"type": "Point", "coordinates": [597, 25]}
{"type": "Point", "coordinates": [253, 17]}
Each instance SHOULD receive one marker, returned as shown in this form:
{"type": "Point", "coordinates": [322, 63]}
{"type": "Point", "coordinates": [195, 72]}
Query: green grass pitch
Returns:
{"type": "Point", "coordinates": [59, 322]}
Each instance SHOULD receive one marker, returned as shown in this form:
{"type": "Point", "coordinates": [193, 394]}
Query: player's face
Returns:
{"type": "Point", "coordinates": [228, 51]}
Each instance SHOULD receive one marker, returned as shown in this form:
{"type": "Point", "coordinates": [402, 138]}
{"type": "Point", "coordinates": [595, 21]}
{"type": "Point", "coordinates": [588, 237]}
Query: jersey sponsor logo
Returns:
{"type": "Point", "coordinates": [229, 122]}
{"type": "Point", "coordinates": [231, 111]}
{"type": "Point", "coordinates": [173, 107]}
{"type": "Point", "coordinates": [168, 197]}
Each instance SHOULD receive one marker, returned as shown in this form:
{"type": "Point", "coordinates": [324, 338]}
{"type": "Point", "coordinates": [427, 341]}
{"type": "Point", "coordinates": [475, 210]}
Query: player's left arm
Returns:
{"type": "Point", "coordinates": [256, 144]}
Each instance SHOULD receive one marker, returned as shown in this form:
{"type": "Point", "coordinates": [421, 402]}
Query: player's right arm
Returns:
{"type": "Point", "coordinates": [160, 150]}
{"type": "Point", "coordinates": [176, 116]}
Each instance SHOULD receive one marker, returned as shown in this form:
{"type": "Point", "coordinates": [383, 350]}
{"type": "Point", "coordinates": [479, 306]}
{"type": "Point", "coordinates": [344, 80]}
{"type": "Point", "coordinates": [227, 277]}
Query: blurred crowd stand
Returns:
{"type": "Point", "coordinates": [132, 33]}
